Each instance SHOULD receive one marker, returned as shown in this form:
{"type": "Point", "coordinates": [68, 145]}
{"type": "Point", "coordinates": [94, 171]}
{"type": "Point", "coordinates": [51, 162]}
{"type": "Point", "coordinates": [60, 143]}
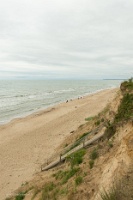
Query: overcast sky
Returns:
{"type": "Point", "coordinates": [66, 39]}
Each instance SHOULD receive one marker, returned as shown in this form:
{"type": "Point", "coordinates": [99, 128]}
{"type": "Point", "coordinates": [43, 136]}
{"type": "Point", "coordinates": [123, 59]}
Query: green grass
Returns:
{"type": "Point", "coordinates": [127, 85]}
{"type": "Point", "coordinates": [64, 176]}
{"type": "Point", "coordinates": [69, 174]}
{"type": "Point", "coordinates": [64, 191]}
{"type": "Point", "coordinates": [20, 196]}
{"type": "Point", "coordinates": [125, 113]}
{"type": "Point", "coordinates": [84, 134]}
{"type": "Point", "coordinates": [75, 144]}
{"type": "Point", "coordinates": [78, 180]}
{"type": "Point", "coordinates": [94, 154]}
{"type": "Point", "coordinates": [125, 110]}
{"type": "Point", "coordinates": [91, 163]}
{"type": "Point", "coordinates": [97, 123]}
{"type": "Point", "coordinates": [89, 118]}
{"type": "Point", "coordinates": [46, 191]}
{"type": "Point", "coordinates": [76, 158]}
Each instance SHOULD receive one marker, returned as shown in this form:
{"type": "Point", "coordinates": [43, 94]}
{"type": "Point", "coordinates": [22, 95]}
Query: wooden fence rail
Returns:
{"type": "Point", "coordinates": [84, 144]}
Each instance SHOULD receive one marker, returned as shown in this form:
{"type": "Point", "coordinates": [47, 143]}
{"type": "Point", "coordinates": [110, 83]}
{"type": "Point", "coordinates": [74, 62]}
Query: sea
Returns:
{"type": "Point", "coordinates": [19, 98]}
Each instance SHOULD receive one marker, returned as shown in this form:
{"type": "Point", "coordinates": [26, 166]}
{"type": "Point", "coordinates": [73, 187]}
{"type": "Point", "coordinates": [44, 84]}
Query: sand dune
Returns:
{"type": "Point", "coordinates": [25, 143]}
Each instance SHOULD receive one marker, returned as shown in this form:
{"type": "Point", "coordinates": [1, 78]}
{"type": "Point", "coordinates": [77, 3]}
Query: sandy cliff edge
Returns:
{"type": "Point", "coordinates": [25, 143]}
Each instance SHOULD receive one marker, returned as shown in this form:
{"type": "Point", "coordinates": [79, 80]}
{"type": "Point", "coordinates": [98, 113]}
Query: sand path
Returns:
{"type": "Point", "coordinates": [25, 143]}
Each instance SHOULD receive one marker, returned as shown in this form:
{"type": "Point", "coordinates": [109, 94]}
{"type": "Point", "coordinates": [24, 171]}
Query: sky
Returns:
{"type": "Point", "coordinates": [66, 39]}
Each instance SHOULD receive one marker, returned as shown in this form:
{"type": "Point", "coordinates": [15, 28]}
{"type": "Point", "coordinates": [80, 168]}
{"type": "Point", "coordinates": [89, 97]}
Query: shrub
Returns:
{"type": "Point", "coordinates": [76, 158]}
{"type": "Point", "coordinates": [102, 120]}
{"type": "Point", "coordinates": [68, 174]}
{"type": "Point", "coordinates": [125, 110]}
{"type": "Point", "coordinates": [64, 191]}
{"type": "Point", "coordinates": [110, 131]}
{"type": "Point", "coordinates": [89, 118]}
{"type": "Point", "coordinates": [127, 85]}
{"type": "Point", "coordinates": [91, 163]}
{"type": "Point", "coordinates": [78, 180]}
{"type": "Point", "coordinates": [110, 144]}
{"type": "Point", "coordinates": [20, 196]}
{"type": "Point", "coordinates": [94, 154]}
{"type": "Point", "coordinates": [46, 190]}
{"type": "Point", "coordinates": [97, 123]}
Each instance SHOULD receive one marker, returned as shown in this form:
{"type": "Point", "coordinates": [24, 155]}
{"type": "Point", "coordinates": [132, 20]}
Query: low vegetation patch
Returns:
{"type": "Point", "coordinates": [78, 180]}
{"type": "Point", "coordinates": [76, 158]}
{"type": "Point", "coordinates": [66, 175]}
{"type": "Point", "coordinates": [46, 191]}
{"type": "Point", "coordinates": [110, 195]}
{"type": "Point", "coordinates": [97, 123]}
{"type": "Point", "coordinates": [91, 163]}
{"type": "Point", "coordinates": [84, 135]}
{"type": "Point", "coordinates": [110, 131]}
{"type": "Point", "coordinates": [127, 85]}
{"type": "Point", "coordinates": [20, 196]}
{"type": "Point", "coordinates": [94, 154]}
{"type": "Point", "coordinates": [125, 110]}
{"type": "Point", "coordinates": [89, 118]}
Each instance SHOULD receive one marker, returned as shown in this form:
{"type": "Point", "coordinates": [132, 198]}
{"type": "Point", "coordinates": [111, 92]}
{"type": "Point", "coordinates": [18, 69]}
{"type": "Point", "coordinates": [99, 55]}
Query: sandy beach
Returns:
{"type": "Point", "coordinates": [25, 143]}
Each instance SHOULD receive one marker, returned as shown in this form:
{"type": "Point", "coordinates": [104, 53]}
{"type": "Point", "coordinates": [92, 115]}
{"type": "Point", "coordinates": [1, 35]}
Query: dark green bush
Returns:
{"type": "Point", "coordinates": [91, 163]}
{"type": "Point", "coordinates": [94, 154]}
{"type": "Point", "coordinates": [125, 110]}
{"type": "Point", "coordinates": [20, 196]}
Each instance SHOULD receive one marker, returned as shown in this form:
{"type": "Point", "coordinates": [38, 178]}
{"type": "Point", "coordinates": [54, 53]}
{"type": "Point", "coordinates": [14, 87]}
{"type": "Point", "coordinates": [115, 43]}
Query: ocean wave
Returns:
{"type": "Point", "coordinates": [25, 97]}
{"type": "Point", "coordinates": [63, 91]}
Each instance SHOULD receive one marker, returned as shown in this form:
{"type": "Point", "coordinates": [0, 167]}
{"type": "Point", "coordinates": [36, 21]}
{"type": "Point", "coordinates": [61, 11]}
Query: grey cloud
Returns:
{"type": "Point", "coordinates": [70, 38]}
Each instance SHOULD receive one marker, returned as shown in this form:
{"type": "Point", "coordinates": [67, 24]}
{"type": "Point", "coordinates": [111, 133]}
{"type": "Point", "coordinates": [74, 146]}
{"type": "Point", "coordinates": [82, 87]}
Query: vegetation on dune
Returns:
{"type": "Point", "coordinates": [20, 196]}
{"type": "Point", "coordinates": [78, 180]}
{"type": "Point", "coordinates": [76, 158]}
{"type": "Point", "coordinates": [125, 109]}
{"type": "Point", "coordinates": [84, 135]}
{"type": "Point", "coordinates": [76, 143]}
{"type": "Point", "coordinates": [121, 189]}
{"type": "Point", "coordinates": [89, 118]}
{"type": "Point", "coordinates": [91, 163]}
{"type": "Point", "coordinates": [93, 156]}
{"type": "Point", "coordinates": [51, 190]}
{"type": "Point", "coordinates": [127, 86]}
{"type": "Point", "coordinates": [68, 180]}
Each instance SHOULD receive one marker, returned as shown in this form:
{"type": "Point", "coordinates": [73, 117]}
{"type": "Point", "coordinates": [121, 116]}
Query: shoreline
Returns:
{"type": "Point", "coordinates": [34, 112]}
{"type": "Point", "coordinates": [26, 142]}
